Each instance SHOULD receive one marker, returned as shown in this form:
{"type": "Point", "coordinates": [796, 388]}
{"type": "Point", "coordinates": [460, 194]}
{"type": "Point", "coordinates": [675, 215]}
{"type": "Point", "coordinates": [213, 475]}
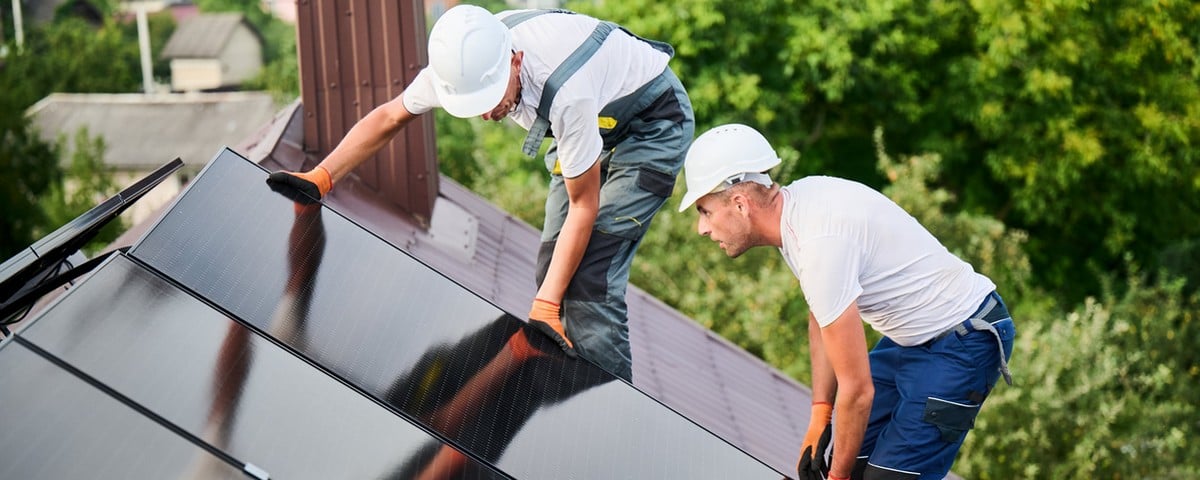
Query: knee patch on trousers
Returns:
{"type": "Point", "coordinates": [590, 282]}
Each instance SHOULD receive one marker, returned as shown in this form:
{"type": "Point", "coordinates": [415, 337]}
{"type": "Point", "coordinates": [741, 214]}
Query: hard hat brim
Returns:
{"type": "Point", "coordinates": [691, 196]}
{"type": "Point", "coordinates": [479, 102]}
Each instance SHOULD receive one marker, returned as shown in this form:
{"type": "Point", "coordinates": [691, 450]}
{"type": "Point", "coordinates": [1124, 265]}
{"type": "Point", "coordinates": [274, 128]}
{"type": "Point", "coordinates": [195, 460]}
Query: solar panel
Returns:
{"type": "Point", "coordinates": [57, 426]}
{"type": "Point", "coordinates": [26, 269]}
{"type": "Point", "coordinates": [138, 334]}
{"type": "Point", "coordinates": [416, 341]}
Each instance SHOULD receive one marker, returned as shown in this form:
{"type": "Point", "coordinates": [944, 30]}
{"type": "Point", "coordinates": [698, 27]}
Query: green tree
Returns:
{"type": "Point", "coordinates": [1100, 392]}
{"type": "Point", "coordinates": [68, 55]}
{"type": "Point", "coordinates": [1058, 117]}
{"type": "Point", "coordinates": [30, 169]}
{"type": "Point", "coordinates": [981, 240]}
{"type": "Point", "coordinates": [1105, 385]}
{"type": "Point", "coordinates": [87, 181]}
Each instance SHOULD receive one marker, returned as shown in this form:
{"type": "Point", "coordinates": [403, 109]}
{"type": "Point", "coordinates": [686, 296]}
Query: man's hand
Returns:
{"type": "Point", "coordinates": [545, 318]}
{"type": "Point", "coordinates": [307, 187]}
{"type": "Point", "coordinates": [812, 465]}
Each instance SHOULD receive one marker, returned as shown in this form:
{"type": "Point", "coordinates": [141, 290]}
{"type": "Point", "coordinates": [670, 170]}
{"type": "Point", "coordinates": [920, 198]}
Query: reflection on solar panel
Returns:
{"type": "Point", "coordinates": [212, 377]}
{"type": "Point", "coordinates": [417, 341]}
{"type": "Point", "coordinates": [57, 426]}
{"type": "Point", "coordinates": [288, 337]}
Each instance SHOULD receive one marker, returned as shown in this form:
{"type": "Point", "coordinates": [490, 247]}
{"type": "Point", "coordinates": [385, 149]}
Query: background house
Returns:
{"type": "Point", "coordinates": [213, 51]}
{"type": "Point", "coordinates": [141, 132]}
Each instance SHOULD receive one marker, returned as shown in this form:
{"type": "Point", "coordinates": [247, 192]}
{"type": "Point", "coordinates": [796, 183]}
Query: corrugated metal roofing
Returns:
{"type": "Point", "coordinates": [692, 370]}
{"type": "Point", "coordinates": [203, 36]}
{"type": "Point", "coordinates": [355, 56]}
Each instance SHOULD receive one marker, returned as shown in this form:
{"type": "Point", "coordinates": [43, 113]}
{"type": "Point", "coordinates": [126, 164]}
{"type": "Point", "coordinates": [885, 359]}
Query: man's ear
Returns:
{"type": "Point", "coordinates": [741, 203]}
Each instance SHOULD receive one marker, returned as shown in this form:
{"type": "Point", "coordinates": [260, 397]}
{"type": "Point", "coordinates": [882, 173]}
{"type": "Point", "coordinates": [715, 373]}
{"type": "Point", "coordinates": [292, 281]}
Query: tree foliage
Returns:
{"type": "Point", "coordinates": [1049, 144]}
{"type": "Point", "coordinates": [1105, 390]}
{"type": "Point", "coordinates": [30, 167]}
{"type": "Point", "coordinates": [87, 182]}
{"type": "Point", "coordinates": [68, 55]}
{"type": "Point", "coordinates": [1035, 140]}
{"type": "Point", "coordinates": [1059, 117]}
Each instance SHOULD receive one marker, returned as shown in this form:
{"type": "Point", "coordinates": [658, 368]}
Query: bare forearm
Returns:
{"type": "Point", "coordinates": [846, 352]}
{"type": "Point", "coordinates": [583, 193]}
{"type": "Point", "coordinates": [568, 252]}
{"type": "Point", "coordinates": [824, 382]}
{"type": "Point", "coordinates": [366, 138]}
{"type": "Point", "coordinates": [850, 423]}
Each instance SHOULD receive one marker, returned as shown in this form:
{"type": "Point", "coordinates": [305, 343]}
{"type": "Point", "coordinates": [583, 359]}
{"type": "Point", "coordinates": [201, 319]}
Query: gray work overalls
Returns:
{"type": "Point", "coordinates": [646, 136]}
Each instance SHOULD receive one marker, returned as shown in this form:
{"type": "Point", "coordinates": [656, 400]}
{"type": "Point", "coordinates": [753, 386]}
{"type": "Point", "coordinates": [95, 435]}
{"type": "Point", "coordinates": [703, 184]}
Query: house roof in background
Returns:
{"type": "Point", "coordinates": [204, 35]}
{"type": "Point", "coordinates": [143, 131]}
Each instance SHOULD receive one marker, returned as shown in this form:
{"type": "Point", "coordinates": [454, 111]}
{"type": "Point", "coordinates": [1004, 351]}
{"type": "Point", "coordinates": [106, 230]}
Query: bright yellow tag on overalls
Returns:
{"type": "Point", "coordinates": [557, 168]}
{"type": "Point", "coordinates": [608, 123]}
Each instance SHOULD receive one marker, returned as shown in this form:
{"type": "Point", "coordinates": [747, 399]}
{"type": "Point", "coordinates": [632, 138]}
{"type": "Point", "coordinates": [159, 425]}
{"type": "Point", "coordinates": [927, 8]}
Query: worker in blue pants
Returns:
{"type": "Point", "coordinates": [620, 121]}
{"type": "Point", "coordinates": [903, 410]}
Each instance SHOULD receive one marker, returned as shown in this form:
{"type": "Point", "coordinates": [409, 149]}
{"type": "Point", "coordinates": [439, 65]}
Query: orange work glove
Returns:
{"type": "Point", "coordinates": [313, 184]}
{"type": "Point", "coordinates": [812, 464]}
{"type": "Point", "coordinates": [544, 317]}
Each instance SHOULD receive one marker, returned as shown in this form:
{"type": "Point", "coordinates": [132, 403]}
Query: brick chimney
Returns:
{"type": "Point", "coordinates": [354, 56]}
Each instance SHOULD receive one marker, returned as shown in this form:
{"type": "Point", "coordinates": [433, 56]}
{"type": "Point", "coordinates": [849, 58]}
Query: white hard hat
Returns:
{"type": "Point", "coordinates": [722, 153]}
{"type": "Point", "coordinates": [470, 51]}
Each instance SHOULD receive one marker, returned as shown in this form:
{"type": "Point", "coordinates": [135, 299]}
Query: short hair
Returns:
{"type": "Point", "coordinates": [758, 193]}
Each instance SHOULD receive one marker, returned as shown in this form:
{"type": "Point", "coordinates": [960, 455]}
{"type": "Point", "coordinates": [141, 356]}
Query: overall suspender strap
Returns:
{"type": "Point", "coordinates": [537, 132]}
{"type": "Point", "coordinates": [560, 75]}
{"type": "Point", "coordinates": [520, 17]}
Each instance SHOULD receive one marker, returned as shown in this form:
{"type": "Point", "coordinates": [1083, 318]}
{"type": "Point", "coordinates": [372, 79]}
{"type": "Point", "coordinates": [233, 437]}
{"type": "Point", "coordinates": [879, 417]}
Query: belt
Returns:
{"type": "Point", "coordinates": [979, 322]}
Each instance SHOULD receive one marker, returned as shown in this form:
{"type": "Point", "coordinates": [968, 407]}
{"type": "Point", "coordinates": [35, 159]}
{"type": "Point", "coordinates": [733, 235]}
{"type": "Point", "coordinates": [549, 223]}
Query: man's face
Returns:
{"type": "Point", "coordinates": [512, 96]}
{"type": "Point", "coordinates": [723, 221]}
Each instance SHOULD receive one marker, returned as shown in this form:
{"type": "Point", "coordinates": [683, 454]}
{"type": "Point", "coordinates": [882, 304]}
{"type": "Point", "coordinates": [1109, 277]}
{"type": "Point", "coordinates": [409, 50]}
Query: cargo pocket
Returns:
{"type": "Point", "coordinates": [656, 182]}
{"type": "Point", "coordinates": [952, 419]}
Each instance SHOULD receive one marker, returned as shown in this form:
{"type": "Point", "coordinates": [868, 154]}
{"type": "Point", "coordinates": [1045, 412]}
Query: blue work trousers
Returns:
{"type": "Point", "coordinates": [927, 397]}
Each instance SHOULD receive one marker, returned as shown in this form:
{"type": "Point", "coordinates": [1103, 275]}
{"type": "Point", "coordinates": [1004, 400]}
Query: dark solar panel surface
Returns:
{"type": "Point", "coordinates": [56, 426]}
{"type": "Point", "coordinates": [418, 342]}
{"type": "Point", "coordinates": [136, 333]}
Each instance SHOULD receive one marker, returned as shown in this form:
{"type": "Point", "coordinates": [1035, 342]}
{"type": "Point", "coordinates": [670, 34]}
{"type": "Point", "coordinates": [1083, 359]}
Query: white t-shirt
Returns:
{"type": "Point", "coordinates": [846, 242]}
{"type": "Point", "coordinates": [621, 65]}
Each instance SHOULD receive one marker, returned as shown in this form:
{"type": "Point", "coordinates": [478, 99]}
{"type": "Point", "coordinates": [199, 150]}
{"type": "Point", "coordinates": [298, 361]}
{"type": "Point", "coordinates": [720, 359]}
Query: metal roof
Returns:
{"type": "Point", "coordinates": [139, 130]}
{"type": "Point", "coordinates": [204, 35]}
